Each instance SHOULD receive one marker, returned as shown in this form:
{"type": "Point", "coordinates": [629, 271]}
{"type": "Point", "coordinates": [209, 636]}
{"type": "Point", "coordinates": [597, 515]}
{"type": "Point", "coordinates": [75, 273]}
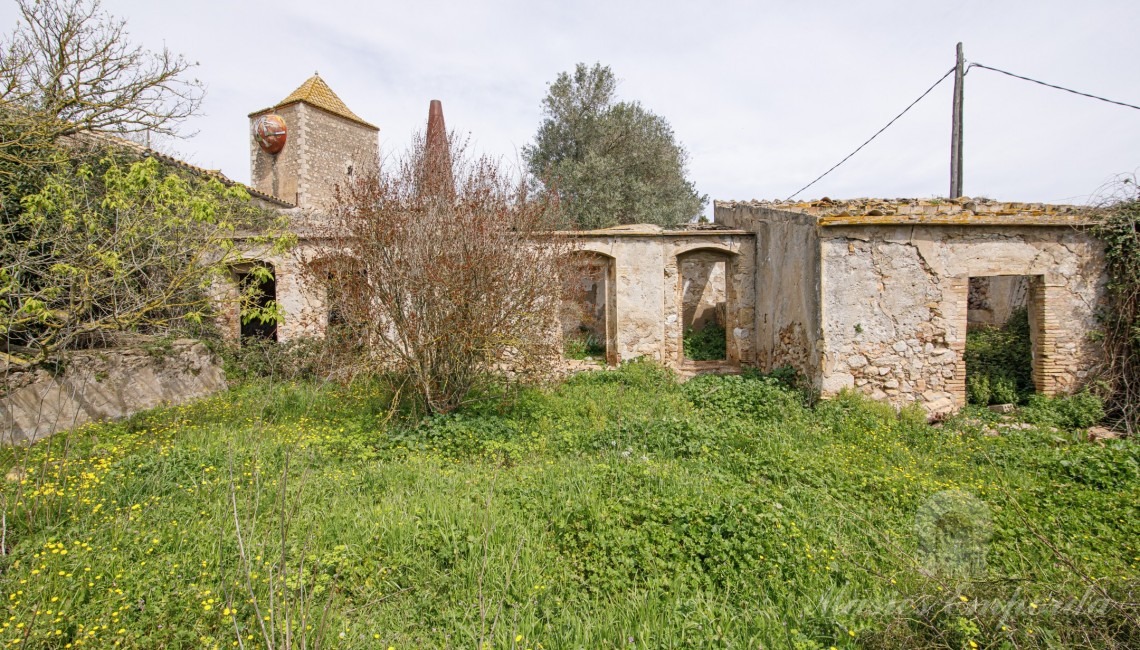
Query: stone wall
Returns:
{"type": "Point", "coordinates": [321, 151]}
{"type": "Point", "coordinates": [302, 300]}
{"type": "Point", "coordinates": [585, 296]}
{"type": "Point", "coordinates": [736, 254]}
{"type": "Point", "coordinates": [105, 384]}
{"type": "Point", "coordinates": [336, 149]}
{"type": "Point", "coordinates": [643, 290]}
{"type": "Point", "coordinates": [993, 299]}
{"type": "Point", "coordinates": [280, 175]}
{"type": "Point", "coordinates": [647, 292]}
{"type": "Point", "coordinates": [786, 285]}
{"type": "Point", "coordinates": [703, 291]}
{"type": "Point", "coordinates": [895, 306]}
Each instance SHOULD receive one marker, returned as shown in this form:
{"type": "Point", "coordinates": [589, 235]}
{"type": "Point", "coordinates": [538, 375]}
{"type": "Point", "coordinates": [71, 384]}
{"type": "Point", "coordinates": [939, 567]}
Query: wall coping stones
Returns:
{"type": "Point", "coordinates": [653, 230]}
{"type": "Point", "coordinates": [963, 211]}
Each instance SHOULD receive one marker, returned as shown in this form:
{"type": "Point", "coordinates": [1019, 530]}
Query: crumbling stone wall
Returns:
{"type": "Point", "coordinates": [735, 254]}
{"type": "Point", "coordinates": [301, 298]}
{"type": "Point", "coordinates": [586, 290]}
{"type": "Point", "coordinates": [647, 297]}
{"type": "Point", "coordinates": [873, 295]}
{"type": "Point", "coordinates": [895, 306]}
{"type": "Point", "coordinates": [786, 286]}
{"type": "Point", "coordinates": [703, 289]}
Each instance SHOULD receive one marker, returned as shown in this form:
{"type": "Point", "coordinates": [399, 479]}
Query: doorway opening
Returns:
{"type": "Point", "coordinates": [257, 286]}
{"type": "Point", "coordinates": [587, 317]}
{"type": "Point", "coordinates": [1002, 332]}
{"type": "Point", "coordinates": [704, 305]}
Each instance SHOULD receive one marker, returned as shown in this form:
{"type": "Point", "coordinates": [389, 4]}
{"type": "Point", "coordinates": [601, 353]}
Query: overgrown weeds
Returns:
{"type": "Point", "coordinates": [616, 508]}
{"type": "Point", "coordinates": [705, 344]}
{"type": "Point", "coordinates": [999, 362]}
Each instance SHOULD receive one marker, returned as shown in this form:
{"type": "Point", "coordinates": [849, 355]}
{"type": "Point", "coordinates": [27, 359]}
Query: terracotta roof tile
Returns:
{"type": "Point", "coordinates": [316, 92]}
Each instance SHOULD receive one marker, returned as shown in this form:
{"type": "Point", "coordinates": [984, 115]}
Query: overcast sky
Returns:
{"type": "Point", "coordinates": [765, 96]}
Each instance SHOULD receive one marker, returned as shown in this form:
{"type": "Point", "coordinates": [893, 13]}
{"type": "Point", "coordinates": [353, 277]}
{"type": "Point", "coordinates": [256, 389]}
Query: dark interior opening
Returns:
{"type": "Point", "coordinates": [264, 286]}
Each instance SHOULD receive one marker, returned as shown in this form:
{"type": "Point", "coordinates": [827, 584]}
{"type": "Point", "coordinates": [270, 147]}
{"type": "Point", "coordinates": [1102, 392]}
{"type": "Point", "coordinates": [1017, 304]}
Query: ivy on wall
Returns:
{"type": "Point", "coordinates": [1119, 229]}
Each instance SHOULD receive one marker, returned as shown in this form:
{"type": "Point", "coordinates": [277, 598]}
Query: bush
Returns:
{"type": "Point", "coordinates": [755, 397]}
{"type": "Point", "coordinates": [460, 306]}
{"type": "Point", "coordinates": [706, 344]}
{"type": "Point", "coordinates": [584, 345]}
{"type": "Point", "coordinates": [258, 358]}
{"type": "Point", "coordinates": [1078, 411]}
{"type": "Point", "coordinates": [999, 362]}
{"type": "Point", "coordinates": [1119, 230]}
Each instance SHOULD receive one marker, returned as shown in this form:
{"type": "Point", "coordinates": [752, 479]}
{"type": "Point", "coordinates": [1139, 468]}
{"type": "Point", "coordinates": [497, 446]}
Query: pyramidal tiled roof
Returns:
{"type": "Point", "coordinates": [316, 92]}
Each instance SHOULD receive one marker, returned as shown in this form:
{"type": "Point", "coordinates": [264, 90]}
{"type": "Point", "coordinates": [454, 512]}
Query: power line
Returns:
{"type": "Point", "coordinates": [1068, 90]}
{"type": "Point", "coordinates": [845, 159]}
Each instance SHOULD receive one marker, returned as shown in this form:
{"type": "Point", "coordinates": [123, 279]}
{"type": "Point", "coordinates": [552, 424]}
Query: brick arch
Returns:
{"type": "Point", "coordinates": [706, 247]}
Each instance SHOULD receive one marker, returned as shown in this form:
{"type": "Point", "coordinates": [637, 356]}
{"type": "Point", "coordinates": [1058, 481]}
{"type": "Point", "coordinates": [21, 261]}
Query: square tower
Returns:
{"type": "Point", "coordinates": [305, 145]}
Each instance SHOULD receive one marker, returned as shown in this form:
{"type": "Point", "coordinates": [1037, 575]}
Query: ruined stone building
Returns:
{"type": "Point", "coordinates": [868, 295]}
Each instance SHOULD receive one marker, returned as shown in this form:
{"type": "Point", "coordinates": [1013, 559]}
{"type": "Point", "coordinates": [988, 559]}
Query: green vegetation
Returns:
{"type": "Point", "coordinates": [584, 346]}
{"type": "Point", "coordinates": [117, 246]}
{"type": "Point", "coordinates": [608, 162]}
{"type": "Point", "coordinates": [706, 344]}
{"type": "Point", "coordinates": [1119, 230]}
{"type": "Point", "coordinates": [618, 509]}
{"type": "Point", "coordinates": [999, 362]}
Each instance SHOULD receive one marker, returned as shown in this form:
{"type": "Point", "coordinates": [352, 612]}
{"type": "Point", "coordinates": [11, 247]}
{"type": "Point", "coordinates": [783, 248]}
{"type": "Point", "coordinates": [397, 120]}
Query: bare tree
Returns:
{"type": "Point", "coordinates": [441, 267]}
{"type": "Point", "coordinates": [89, 243]}
{"type": "Point", "coordinates": [72, 62]}
{"type": "Point", "coordinates": [69, 68]}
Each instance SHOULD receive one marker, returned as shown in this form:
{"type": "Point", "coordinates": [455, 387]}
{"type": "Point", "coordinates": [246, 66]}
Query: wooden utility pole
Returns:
{"type": "Point", "coordinates": [956, 130]}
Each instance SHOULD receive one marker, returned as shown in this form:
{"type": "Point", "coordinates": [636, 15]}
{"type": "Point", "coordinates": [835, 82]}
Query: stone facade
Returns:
{"type": "Point", "coordinates": [104, 384]}
{"type": "Point", "coordinates": [892, 295]}
{"type": "Point", "coordinates": [302, 301]}
{"type": "Point", "coordinates": [704, 293]}
{"type": "Point", "coordinates": [993, 299]}
{"type": "Point", "coordinates": [326, 145]}
{"type": "Point", "coordinates": [867, 295]}
{"type": "Point", "coordinates": [586, 298]}
{"type": "Point", "coordinates": [648, 296]}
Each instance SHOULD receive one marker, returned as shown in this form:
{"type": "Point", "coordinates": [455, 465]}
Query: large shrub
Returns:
{"type": "Point", "coordinates": [444, 275]}
{"type": "Point", "coordinates": [1119, 229]}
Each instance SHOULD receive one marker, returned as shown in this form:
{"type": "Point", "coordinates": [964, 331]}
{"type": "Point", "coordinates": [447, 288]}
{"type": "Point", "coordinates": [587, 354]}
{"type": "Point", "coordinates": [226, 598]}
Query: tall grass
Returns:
{"type": "Point", "coordinates": [617, 509]}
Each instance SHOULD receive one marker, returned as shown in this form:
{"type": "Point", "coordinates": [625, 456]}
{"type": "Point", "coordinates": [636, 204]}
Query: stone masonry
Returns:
{"type": "Point", "coordinates": [892, 282]}
{"type": "Point", "coordinates": [326, 144]}
{"type": "Point", "coordinates": [866, 295]}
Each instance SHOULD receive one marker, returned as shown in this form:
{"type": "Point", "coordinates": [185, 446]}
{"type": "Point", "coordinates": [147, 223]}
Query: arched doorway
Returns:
{"type": "Point", "coordinates": [705, 297]}
{"type": "Point", "coordinates": [586, 314]}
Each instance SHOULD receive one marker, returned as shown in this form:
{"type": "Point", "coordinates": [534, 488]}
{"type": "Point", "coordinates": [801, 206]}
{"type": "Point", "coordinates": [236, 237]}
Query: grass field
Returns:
{"type": "Point", "coordinates": [619, 509]}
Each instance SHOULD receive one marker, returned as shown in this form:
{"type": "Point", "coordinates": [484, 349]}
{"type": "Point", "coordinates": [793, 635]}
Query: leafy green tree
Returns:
{"type": "Point", "coordinates": [68, 69]}
{"type": "Point", "coordinates": [94, 238]}
{"type": "Point", "coordinates": [609, 162]}
{"type": "Point", "coordinates": [114, 247]}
